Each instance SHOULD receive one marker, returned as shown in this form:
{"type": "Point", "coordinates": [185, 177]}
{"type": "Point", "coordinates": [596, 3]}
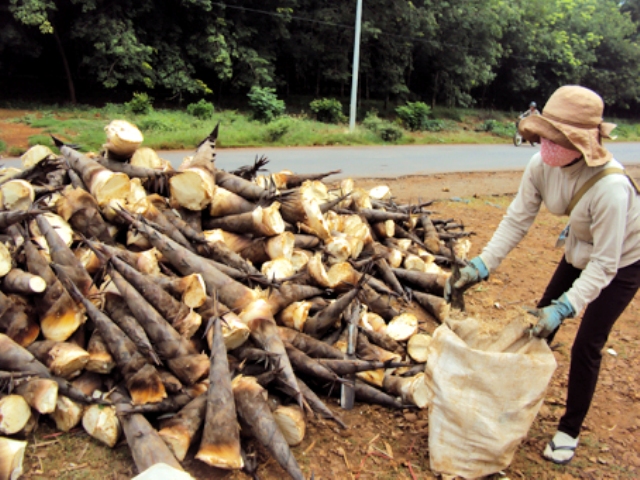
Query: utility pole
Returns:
{"type": "Point", "coordinates": [356, 65]}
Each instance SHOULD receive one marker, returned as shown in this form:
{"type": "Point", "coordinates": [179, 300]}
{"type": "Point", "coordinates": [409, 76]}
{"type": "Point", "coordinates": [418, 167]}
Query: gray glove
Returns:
{"type": "Point", "coordinates": [470, 275]}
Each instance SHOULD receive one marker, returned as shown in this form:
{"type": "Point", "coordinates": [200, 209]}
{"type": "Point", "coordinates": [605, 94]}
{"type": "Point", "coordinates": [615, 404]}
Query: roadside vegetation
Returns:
{"type": "Point", "coordinates": [266, 121]}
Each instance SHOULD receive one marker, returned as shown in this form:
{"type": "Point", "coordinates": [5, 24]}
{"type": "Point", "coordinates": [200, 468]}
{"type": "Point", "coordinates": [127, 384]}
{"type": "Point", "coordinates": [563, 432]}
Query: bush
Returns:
{"type": "Point", "coordinates": [3, 146]}
{"type": "Point", "coordinates": [434, 125]}
{"type": "Point", "coordinates": [495, 127]}
{"type": "Point", "coordinates": [414, 115]}
{"type": "Point", "coordinates": [202, 110]}
{"type": "Point", "coordinates": [264, 104]}
{"type": "Point", "coordinates": [278, 128]}
{"type": "Point", "coordinates": [158, 124]}
{"type": "Point", "coordinates": [328, 110]}
{"type": "Point", "coordinates": [387, 131]}
{"type": "Point", "coordinates": [140, 104]}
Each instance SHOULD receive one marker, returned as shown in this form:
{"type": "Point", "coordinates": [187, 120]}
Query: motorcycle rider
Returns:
{"type": "Point", "coordinates": [533, 110]}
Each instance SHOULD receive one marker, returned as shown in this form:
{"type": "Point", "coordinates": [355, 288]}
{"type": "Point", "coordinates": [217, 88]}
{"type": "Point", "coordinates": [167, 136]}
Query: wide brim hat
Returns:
{"type": "Point", "coordinates": [572, 118]}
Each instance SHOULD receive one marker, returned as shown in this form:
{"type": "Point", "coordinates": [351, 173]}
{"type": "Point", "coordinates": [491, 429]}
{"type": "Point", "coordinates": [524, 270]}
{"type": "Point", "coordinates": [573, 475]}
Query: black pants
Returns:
{"type": "Point", "coordinates": [597, 321]}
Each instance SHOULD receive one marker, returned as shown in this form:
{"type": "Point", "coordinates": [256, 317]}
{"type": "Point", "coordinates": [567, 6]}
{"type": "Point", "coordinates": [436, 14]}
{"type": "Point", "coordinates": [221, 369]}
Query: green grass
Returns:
{"type": "Point", "coordinates": [166, 129]}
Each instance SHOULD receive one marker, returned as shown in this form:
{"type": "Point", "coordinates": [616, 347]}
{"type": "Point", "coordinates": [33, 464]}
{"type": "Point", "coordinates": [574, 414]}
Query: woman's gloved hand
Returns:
{"type": "Point", "coordinates": [551, 317]}
{"type": "Point", "coordinates": [473, 273]}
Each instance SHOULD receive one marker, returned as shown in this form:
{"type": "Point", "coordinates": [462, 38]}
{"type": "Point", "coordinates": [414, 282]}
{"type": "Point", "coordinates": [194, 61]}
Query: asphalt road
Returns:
{"type": "Point", "coordinates": [393, 161]}
{"type": "Point", "coordinates": [388, 161]}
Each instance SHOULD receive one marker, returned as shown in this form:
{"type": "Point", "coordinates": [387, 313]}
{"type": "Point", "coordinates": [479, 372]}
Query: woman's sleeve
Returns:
{"type": "Point", "coordinates": [518, 219]}
{"type": "Point", "coordinates": [608, 228]}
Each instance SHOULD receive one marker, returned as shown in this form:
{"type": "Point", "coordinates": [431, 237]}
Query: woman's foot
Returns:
{"type": "Point", "coordinates": [561, 449]}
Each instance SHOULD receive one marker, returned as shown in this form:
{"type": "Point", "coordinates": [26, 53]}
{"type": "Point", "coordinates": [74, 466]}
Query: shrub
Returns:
{"type": "Point", "coordinates": [434, 125]}
{"type": "Point", "coordinates": [264, 104]}
{"type": "Point", "coordinates": [328, 110]}
{"type": "Point", "coordinates": [494, 126]}
{"type": "Point", "coordinates": [278, 128]}
{"type": "Point", "coordinates": [3, 146]}
{"type": "Point", "coordinates": [202, 110]}
{"type": "Point", "coordinates": [157, 124]}
{"type": "Point", "coordinates": [387, 131]}
{"type": "Point", "coordinates": [16, 151]}
{"type": "Point", "coordinates": [140, 104]}
{"type": "Point", "coordinates": [414, 115]}
{"type": "Point", "coordinates": [39, 140]}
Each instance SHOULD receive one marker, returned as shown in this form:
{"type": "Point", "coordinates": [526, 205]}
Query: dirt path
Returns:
{"type": "Point", "coordinates": [384, 444]}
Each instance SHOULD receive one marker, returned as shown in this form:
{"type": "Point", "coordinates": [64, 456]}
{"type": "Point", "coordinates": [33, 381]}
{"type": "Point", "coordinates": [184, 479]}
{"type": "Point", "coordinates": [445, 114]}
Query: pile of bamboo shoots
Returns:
{"type": "Point", "coordinates": [197, 309]}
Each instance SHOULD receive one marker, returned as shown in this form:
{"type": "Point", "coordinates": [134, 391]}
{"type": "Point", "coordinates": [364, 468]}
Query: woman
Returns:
{"type": "Point", "coordinates": [600, 269]}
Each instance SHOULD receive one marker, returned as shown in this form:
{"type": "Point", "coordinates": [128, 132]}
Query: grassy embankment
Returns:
{"type": "Point", "coordinates": [174, 129]}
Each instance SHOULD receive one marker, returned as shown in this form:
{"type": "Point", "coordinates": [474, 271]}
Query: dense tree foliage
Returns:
{"type": "Point", "coordinates": [491, 53]}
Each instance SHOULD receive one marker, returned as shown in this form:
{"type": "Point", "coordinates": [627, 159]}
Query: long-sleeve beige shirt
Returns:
{"type": "Point", "coordinates": [605, 224]}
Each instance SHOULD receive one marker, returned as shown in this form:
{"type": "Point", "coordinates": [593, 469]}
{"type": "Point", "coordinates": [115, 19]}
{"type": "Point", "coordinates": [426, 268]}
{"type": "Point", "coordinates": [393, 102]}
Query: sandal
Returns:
{"type": "Point", "coordinates": [551, 449]}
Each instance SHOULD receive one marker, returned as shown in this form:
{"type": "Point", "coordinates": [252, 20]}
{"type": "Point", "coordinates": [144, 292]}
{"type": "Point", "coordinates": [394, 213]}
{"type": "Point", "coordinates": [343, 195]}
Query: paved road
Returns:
{"type": "Point", "coordinates": [392, 161]}
{"type": "Point", "coordinates": [388, 161]}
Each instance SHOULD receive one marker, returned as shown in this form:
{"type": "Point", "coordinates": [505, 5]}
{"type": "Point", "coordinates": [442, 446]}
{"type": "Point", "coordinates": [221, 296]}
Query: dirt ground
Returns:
{"type": "Point", "coordinates": [385, 444]}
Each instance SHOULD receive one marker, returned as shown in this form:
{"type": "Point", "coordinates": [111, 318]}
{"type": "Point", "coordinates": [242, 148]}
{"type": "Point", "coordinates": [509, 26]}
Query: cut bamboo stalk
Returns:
{"type": "Point", "coordinates": [178, 431]}
{"type": "Point", "coordinates": [40, 393]}
{"type": "Point", "coordinates": [309, 345]}
{"type": "Point", "coordinates": [123, 138]}
{"type": "Point", "coordinates": [418, 347]}
{"type": "Point", "coordinates": [412, 390]}
{"type": "Point", "coordinates": [67, 414]}
{"type": "Point", "coordinates": [6, 262]}
{"type": "Point", "coordinates": [253, 409]}
{"type": "Point", "coordinates": [240, 186]}
{"type": "Point", "coordinates": [17, 195]}
{"type": "Point", "coordinates": [264, 331]}
{"type": "Point", "coordinates": [60, 317]}
{"type": "Point", "coordinates": [100, 360]}
{"type": "Point", "coordinates": [63, 359]}
{"type": "Point", "coordinates": [436, 306]}
{"type": "Point", "coordinates": [190, 289]}
{"type": "Point", "coordinates": [147, 447]}
{"type": "Point", "coordinates": [101, 422]}
{"type": "Point", "coordinates": [15, 322]}
{"type": "Point", "coordinates": [19, 281]}
{"type": "Point", "coordinates": [102, 183]}
{"type": "Point", "coordinates": [402, 327]}
{"type": "Point", "coordinates": [80, 209]}
{"type": "Point", "coordinates": [225, 202]}
{"type": "Point", "coordinates": [14, 414]}
{"type": "Point", "coordinates": [261, 222]}
{"type": "Point", "coordinates": [220, 445]}
{"type": "Point", "coordinates": [11, 458]}
{"type": "Point", "coordinates": [292, 424]}
{"type": "Point", "coordinates": [427, 282]}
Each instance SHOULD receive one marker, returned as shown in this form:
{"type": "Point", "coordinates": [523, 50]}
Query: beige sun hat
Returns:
{"type": "Point", "coordinates": [572, 118]}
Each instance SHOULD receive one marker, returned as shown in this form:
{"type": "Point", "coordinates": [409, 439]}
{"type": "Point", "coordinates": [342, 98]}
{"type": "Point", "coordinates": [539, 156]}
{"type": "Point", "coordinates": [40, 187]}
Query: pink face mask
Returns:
{"type": "Point", "coordinates": [556, 156]}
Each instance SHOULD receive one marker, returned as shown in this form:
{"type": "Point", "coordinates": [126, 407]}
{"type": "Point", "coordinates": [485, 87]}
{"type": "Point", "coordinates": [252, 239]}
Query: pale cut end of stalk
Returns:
{"type": "Point", "coordinates": [339, 250]}
{"type": "Point", "coordinates": [194, 293]}
{"type": "Point", "coordinates": [40, 393]}
{"type": "Point", "coordinates": [101, 422]}
{"type": "Point", "coordinates": [148, 261]}
{"type": "Point", "coordinates": [414, 262]}
{"type": "Point", "coordinates": [278, 269]}
{"type": "Point", "coordinates": [67, 414]}
{"type": "Point", "coordinates": [418, 347]}
{"type": "Point", "coordinates": [226, 457]}
{"type": "Point", "coordinates": [7, 172]}
{"type": "Point", "coordinates": [461, 248]}
{"type": "Point", "coordinates": [136, 199]}
{"type": "Point", "coordinates": [67, 360]}
{"type": "Point", "coordinates": [395, 258]}
{"type": "Point", "coordinates": [192, 189]}
{"type": "Point", "coordinates": [381, 192]}
{"type": "Point", "coordinates": [235, 332]}
{"type": "Point", "coordinates": [412, 390]}
{"type": "Point", "coordinates": [402, 327]}
{"type": "Point", "coordinates": [88, 258]}
{"type": "Point", "coordinates": [291, 422]}
{"type": "Point", "coordinates": [162, 471]}
{"type": "Point", "coordinates": [372, 321]}
{"type": "Point", "coordinates": [386, 229]}
{"type": "Point", "coordinates": [295, 315]}
{"type": "Point", "coordinates": [59, 224]}
{"type": "Point", "coordinates": [17, 195]}
{"type": "Point", "coordinates": [60, 325]}
{"type": "Point", "coordinates": [5, 260]}
{"type": "Point", "coordinates": [190, 368]}
{"type": "Point", "coordinates": [107, 185]}
{"type": "Point", "coordinates": [315, 189]}
{"type": "Point", "coordinates": [14, 414]}
{"type": "Point", "coordinates": [148, 158]}
{"type": "Point", "coordinates": [35, 155]}
{"type": "Point", "coordinates": [339, 275]}
{"type": "Point", "coordinates": [315, 220]}
{"type": "Point", "coordinates": [11, 458]}
{"type": "Point", "coordinates": [335, 221]}
{"type": "Point", "coordinates": [300, 259]}
{"type": "Point", "coordinates": [225, 202]}
{"type": "Point", "coordinates": [235, 242]}
{"type": "Point", "coordinates": [361, 198]}
{"type": "Point", "coordinates": [123, 138]}
{"type": "Point", "coordinates": [177, 439]}
{"type": "Point", "coordinates": [268, 220]}
{"type": "Point", "coordinates": [281, 246]}
{"type": "Point", "coordinates": [404, 244]}
{"type": "Point", "coordinates": [137, 240]}
{"type": "Point", "coordinates": [146, 386]}
{"type": "Point", "coordinates": [373, 377]}
{"type": "Point", "coordinates": [189, 324]}
{"type": "Point", "coordinates": [100, 360]}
